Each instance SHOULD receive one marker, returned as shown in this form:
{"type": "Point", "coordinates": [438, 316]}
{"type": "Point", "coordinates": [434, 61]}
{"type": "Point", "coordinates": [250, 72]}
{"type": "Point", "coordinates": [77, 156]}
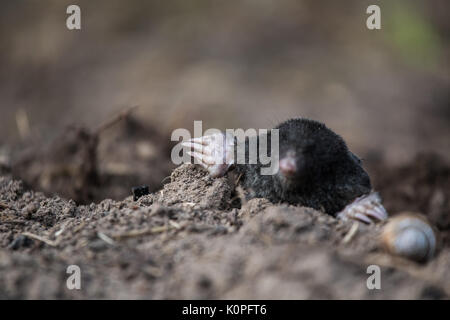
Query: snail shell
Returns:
{"type": "Point", "coordinates": [410, 236]}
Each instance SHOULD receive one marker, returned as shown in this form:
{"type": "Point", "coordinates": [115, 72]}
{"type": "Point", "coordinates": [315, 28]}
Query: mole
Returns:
{"type": "Point", "coordinates": [315, 169]}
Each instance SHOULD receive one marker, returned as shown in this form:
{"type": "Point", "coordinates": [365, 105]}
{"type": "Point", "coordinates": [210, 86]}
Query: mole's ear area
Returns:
{"type": "Point", "coordinates": [215, 153]}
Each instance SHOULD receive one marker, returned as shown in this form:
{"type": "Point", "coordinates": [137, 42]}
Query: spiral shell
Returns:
{"type": "Point", "coordinates": [410, 236]}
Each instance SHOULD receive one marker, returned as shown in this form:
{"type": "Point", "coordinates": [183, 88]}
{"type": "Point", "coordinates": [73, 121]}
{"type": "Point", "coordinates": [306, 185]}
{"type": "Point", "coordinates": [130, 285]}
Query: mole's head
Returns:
{"type": "Point", "coordinates": [307, 149]}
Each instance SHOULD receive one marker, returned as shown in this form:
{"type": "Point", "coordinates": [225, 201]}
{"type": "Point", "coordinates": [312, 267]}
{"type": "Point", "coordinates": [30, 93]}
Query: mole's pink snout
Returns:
{"type": "Point", "coordinates": [288, 166]}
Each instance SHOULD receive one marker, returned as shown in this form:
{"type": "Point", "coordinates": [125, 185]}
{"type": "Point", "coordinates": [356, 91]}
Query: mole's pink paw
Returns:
{"type": "Point", "coordinates": [215, 152]}
{"type": "Point", "coordinates": [367, 209]}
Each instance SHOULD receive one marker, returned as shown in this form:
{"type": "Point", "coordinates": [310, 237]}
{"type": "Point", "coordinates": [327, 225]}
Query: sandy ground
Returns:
{"type": "Point", "coordinates": [197, 239]}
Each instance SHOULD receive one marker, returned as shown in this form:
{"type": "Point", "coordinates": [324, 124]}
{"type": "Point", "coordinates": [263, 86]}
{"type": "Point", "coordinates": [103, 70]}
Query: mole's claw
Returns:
{"type": "Point", "coordinates": [378, 212]}
{"type": "Point", "coordinates": [218, 170]}
{"type": "Point", "coordinates": [362, 217]}
{"type": "Point", "coordinates": [215, 152]}
{"type": "Point", "coordinates": [204, 159]}
{"type": "Point", "coordinates": [367, 209]}
{"type": "Point", "coordinates": [200, 140]}
{"type": "Point", "coordinates": [197, 148]}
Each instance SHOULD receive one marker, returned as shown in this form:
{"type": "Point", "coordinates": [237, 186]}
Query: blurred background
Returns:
{"type": "Point", "coordinates": [251, 63]}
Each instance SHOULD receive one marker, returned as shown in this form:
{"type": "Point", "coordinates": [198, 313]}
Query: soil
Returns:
{"type": "Point", "coordinates": [90, 165]}
{"type": "Point", "coordinates": [199, 238]}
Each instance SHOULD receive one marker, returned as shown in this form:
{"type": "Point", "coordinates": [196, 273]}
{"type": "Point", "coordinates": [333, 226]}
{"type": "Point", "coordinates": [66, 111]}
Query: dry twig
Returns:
{"type": "Point", "coordinates": [353, 230]}
{"type": "Point", "coordinates": [143, 232]}
{"type": "Point", "coordinates": [121, 115]}
{"type": "Point", "coordinates": [42, 239]}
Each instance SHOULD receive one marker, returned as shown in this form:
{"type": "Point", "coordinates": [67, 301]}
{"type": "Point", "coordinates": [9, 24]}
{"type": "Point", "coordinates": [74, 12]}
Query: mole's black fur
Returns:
{"type": "Point", "coordinates": [328, 176]}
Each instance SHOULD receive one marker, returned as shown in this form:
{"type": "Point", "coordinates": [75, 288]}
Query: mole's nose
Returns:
{"type": "Point", "coordinates": [288, 166]}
